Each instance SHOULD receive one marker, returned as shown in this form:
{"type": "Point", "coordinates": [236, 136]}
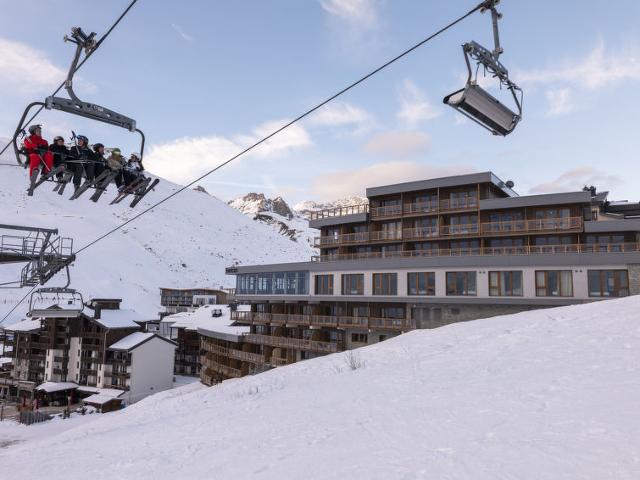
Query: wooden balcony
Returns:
{"type": "Point", "coordinates": [386, 212]}
{"type": "Point", "coordinates": [295, 343]}
{"type": "Point", "coordinates": [278, 362]}
{"type": "Point", "coordinates": [233, 353]}
{"type": "Point", "coordinates": [385, 236]}
{"type": "Point", "coordinates": [459, 204]}
{"type": "Point", "coordinates": [420, 208]}
{"type": "Point", "coordinates": [223, 369]}
{"type": "Point", "coordinates": [297, 319]}
{"type": "Point", "coordinates": [353, 322]}
{"type": "Point", "coordinates": [391, 323]}
{"type": "Point", "coordinates": [339, 212]}
{"type": "Point", "coordinates": [420, 233]}
{"type": "Point", "coordinates": [519, 250]}
{"type": "Point", "coordinates": [516, 227]}
{"type": "Point", "coordinates": [463, 230]}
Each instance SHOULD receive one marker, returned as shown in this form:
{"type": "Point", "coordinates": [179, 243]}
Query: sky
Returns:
{"type": "Point", "coordinates": [204, 79]}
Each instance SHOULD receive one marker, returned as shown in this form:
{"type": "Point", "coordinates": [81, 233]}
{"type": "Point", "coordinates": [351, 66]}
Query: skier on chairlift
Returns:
{"type": "Point", "coordinates": [60, 153]}
{"type": "Point", "coordinates": [38, 150]}
{"type": "Point", "coordinates": [99, 160]}
{"type": "Point", "coordinates": [84, 161]}
{"type": "Point", "coordinates": [116, 163]}
{"type": "Point", "coordinates": [133, 169]}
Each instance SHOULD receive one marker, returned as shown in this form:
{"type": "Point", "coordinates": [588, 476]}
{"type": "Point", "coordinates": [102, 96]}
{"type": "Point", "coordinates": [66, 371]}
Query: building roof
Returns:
{"type": "Point", "coordinates": [451, 181]}
{"type": "Point", "coordinates": [26, 325]}
{"type": "Point", "coordinates": [123, 318]}
{"type": "Point", "coordinates": [205, 323]}
{"type": "Point", "coordinates": [109, 392]}
{"type": "Point", "coordinates": [51, 387]}
{"type": "Point", "coordinates": [563, 198]}
{"type": "Point", "coordinates": [136, 339]}
{"type": "Point", "coordinates": [100, 399]}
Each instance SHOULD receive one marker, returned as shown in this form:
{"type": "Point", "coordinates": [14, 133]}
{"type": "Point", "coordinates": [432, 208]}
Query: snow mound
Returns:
{"type": "Point", "coordinates": [187, 241]}
{"type": "Point", "coordinates": [548, 394]}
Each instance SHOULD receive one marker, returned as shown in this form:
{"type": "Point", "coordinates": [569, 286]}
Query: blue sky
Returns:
{"type": "Point", "coordinates": [204, 78]}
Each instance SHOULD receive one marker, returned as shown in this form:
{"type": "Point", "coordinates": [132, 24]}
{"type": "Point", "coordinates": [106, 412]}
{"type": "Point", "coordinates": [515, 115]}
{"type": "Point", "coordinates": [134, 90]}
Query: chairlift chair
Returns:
{"type": "Point", "coordinates": [69, 303]}
{"type": "Point", "coordinates": [74, 105]}
{"type": "Point", "coordinates": [476, 103]}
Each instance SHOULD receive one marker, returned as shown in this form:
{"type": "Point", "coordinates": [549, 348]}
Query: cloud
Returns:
{"type": "Point", "coordinates": [398, 144]}
{"type": "Point", "coordinates": [24, 69]}
{"type": "Point", "coordinates": [600, 68]}
{"type": "Point", "coordinates": [573, 181]}
{"type": "Point", "coordinates": [344, 183]}
{"type": "Point", "coordinates": [414, 106]}
{"type": "Point", "coordinates": [184, 159]}
{"type": "Point", "coordinates": [182, 33]}
{"type": "Point", "coordinates": [358, 13]}
{"type": "Point", "coordinates": [340, 114]}
{"type": "Point", "coordinates": [560, 101]}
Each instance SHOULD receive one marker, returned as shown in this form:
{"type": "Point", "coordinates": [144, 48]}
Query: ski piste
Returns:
{"type": "Point", "coordinates": [102, 186]}
{"type": "Point", "coordinates": [137, 183]}
{"type": "Point", "coordinates": [35, 183]}
{"type": "Point", "coordinates": [140, 196]}
{"type": "Point", "coordinates": [89, 183]}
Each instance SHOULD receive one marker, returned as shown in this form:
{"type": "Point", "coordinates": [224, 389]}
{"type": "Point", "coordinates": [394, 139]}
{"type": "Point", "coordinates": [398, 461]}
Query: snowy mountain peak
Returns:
{"type": "Point", "coordinates": [254, 203]}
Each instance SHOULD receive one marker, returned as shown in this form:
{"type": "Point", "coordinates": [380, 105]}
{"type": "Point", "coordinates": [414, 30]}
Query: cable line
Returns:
{"type": "Point", "coordinates": [98, 43]}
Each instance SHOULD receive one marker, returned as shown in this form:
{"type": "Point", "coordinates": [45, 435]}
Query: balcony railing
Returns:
{"type": "Point", "coordinates": [458, 204]}
{"type": "Point", "coordinates": [296, 343]}
{"type": "Point", "coordinates": [518, 250]}
{"type": "Point", "coordinates": [537, 225]}
{"type": "Point", "coordinates": [335, 321]}
{"type": "Point", "coordinates": [386, 235]}
{"type": "Point", "coordinates": [420, 207]}
{"type": "Point", "coordinates": [420, 233]}
{"type": "Point", "coordinates": [278, 362]}
{"type": "Point", "coordinates": [386, 211]}
{"type": "Point", "coordinates": [339, 212]}
{"type": "Point", "coordinates": [234, 353]}
{"type": "Point", "coordinates": [223, 369]}
{"type": "Point", "coordinates": [462, 229]}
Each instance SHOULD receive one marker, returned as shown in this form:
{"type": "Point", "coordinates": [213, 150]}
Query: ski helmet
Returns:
{"type": "Point", "coordinates": [116, 151]}
{"type": "Point", "coordinates": [55, 139]}
{"type": "Point", "coordinates": [83, 138]}
{"type": "Point", "coordinates": [97, 147]}
{"type": "Point", "coordinates": [33, 128]}
{"type": "Point", "coordinates": [135, 155]}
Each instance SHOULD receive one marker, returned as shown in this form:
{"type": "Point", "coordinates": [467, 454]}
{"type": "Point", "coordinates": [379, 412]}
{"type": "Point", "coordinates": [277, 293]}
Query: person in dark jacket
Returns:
{"type": "Point", "coordinates": [38, 150]}
{"type": "Point", "coordinates": [99, 162]}
{"type": "Point", "coordinates": [60, 153]}
{"type": "Point", "coordinates": [116, 163]}
{"type": "Point", "coordinates": [84, 160]}
{"type": "Point", "coordinates": [133, 169]}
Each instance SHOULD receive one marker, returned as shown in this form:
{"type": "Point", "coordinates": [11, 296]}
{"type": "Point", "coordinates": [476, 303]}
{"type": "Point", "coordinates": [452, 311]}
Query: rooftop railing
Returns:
{"type": "Point", "coordinates": [339, 212]}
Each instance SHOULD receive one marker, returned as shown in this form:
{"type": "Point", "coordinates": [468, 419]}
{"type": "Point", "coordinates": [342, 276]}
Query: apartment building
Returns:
{"type": "Point", "coordinates": [176, 300]}
{"type": "Point", "coordinates": [83, 348]}
{"type": "Point", "coordinates": [428, 253]}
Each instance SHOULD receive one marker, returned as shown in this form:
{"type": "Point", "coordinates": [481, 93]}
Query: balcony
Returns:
{"type": "Point", "coordinates": [278, 362]}
{"type": "Point", "coordinates": [391, 323]}
{"type": "Point", "coordinates": [460, 230]}
{"type": "Point", "coordinates": [449, 205]}
{"type": "Point", "coordinates": [339, 212]}
{"type": "Point", "coordinates": [347, 238]}
{"type": "Point", "coordinates": [223, 369]}
{"type": "Point", "coordinates": [234, 353]}
{"type": "Point", "coordinates": [512, 227]}
{"type": "Point", "coordinates": [420, 208]}
{"type": "Point", "coordinates": [385, 212]}
{"type": "Point", "coordinates": [295, 343]}
{"type": "Point", "coordinates": [420, 233]}
{"type": "Point", "coordinates": [518, 250]}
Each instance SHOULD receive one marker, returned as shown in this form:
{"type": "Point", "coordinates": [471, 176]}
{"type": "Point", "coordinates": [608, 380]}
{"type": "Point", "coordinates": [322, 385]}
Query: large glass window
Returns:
{"type": "Point", "coordinates": [554, 283]}
{"type": "Point", "coordinates": [421, 283]}
{"type": "Point", "coordinates": [324, 285]}
{"type": "Point", "coordinates": [385, 283]}
{"type": "Point", "coordinates": [461, 283]}
{"type": "Point", "coordinates": [505, 284]}
{"type": "Point", "coordinates": [353, 284]}
{"type": "Point", "coordinates": [608, 283]}
{"type": "Point", "coordinates": [272, 283]}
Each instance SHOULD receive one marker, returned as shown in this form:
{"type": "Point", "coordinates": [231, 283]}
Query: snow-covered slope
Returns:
{"type": "Point", "coordinates": [187, 241]}
{"type": "Point", "coordinates": [542, 395]}
{"type": "Point", "coordinates": [276, 213]}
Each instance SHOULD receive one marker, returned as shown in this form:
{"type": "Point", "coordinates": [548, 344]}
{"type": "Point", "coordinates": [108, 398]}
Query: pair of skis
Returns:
{"type": "Point", "coordinates": [35, 182]}
{"type": "Point", "coordinates": [139, 188]}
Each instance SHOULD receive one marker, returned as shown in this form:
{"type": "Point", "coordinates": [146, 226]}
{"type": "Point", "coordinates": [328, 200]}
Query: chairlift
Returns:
{"type": "Point", "coordinates": [65, 303]}
{"type": "Point", "coordinates": [476, 103]}
{"type": "Point", "coordinates": [74, 105]}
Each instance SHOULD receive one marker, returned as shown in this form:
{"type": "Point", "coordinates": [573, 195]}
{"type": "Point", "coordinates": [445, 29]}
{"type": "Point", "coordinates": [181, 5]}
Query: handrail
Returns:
{"type": "Point", "coordinates": [339, 211]}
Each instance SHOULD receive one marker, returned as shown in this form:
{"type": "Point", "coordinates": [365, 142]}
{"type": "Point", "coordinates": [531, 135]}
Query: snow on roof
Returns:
{"type": "Point", "coordinates": [26, 325]}
{"type": "Point", "coordinates": [109, 392]}
{"type": "Point", "coordinates": [132, 341]}
{"type": "Point", "coordinates": [100, 399]}
{"type": "Point", "coordinates": [244, 308]}
{"type": "Point", "coordinates": [123, 318]}
{"type": "Point", "coordinates": [50, 387]}
{"type": "Point", "coordinates": [218, 327]}
{"type": "Point", "coordinates": [5, 360]}
{"type": "Point", "coordinates": [174, 317]}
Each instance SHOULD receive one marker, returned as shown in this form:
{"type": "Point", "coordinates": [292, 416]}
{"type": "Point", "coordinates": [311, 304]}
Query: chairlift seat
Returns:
{"type": "Point", "coordinates": [483, 108]}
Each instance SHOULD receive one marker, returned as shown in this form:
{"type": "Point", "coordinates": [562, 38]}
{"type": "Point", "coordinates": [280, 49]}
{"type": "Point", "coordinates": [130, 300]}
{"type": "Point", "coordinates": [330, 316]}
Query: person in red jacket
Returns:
{"type": "Point", "coordinates": [37, 149]}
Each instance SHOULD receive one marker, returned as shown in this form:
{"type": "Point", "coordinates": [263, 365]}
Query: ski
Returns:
{"type": "Point", "coordinates": [102, 187]}
{"type": "Point", "coordinates": [88, 183]}
{"type": "Point", "coordinates": [132, 187]}
{"type": "Point", "coordinates": [140, 196]}
{"type": "Point", "coordinates": [66, 178]}
{"type": "Point", "coordinates": [35, 183]}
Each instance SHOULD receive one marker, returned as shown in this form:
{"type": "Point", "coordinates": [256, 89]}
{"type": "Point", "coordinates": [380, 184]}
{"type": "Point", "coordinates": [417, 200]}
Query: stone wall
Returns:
{"type": "Point", "coordinates": [634, 279]}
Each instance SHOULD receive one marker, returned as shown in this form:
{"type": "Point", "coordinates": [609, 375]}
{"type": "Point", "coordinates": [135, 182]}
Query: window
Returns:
{"type": "Point", "coordinates": [608, 283]}
{"type": "Point", "coordinates": [359, 338]}
{"type": "Point", "coordinates": [353, 284]}
{"type": "Point", "coordinates": [505, 284]}
{"type": "Point", "coordinates": [461, 283]}
{"type": "Point", "coordinates": [385, 283]}
{"type": "Point", "coordinates": [421, 283]}
{"type": "Point", "coordinates": [554, 283]}
{"type": "Point", "coordinates": [277, 283]}
{"type": "Point", "coordinates": [324, 284]}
